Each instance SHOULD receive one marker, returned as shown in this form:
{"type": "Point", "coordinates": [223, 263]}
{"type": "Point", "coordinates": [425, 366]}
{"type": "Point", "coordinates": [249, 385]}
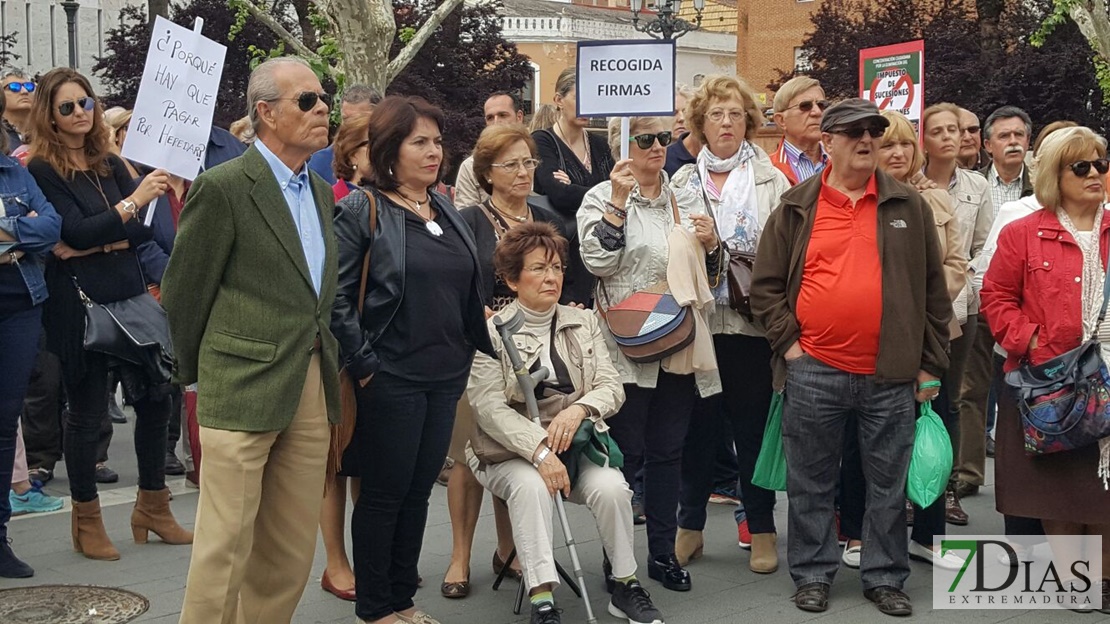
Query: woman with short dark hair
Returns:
{"type": "Point", "coordinates": [352, 155]}
{"type": "Point", "coordinates": [410, 348]}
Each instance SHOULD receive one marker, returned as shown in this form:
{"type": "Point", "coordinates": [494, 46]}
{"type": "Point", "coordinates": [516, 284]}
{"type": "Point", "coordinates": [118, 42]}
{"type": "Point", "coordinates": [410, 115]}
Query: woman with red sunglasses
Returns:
{"type": "Point", "coordinates": [102, 225]}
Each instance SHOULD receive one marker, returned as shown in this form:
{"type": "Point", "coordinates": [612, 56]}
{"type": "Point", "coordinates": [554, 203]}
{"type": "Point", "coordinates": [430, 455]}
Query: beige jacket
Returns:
{"type": "Point", "coordinates": [955, 264]}
{"type": "Point", "coordinates": [503, 429]}
{"type": "Point", "coordinates": [971, 197]}
{"type": "Point", "coordinates": [770, 184]}
{"type": "Point", "coordinates": [467, 190]}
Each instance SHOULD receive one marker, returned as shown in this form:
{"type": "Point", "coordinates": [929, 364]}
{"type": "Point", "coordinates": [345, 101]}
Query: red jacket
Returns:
{"type": "Point", "coordinates": [779, 160]}
{"type": "Point", "coordinates": [1033, 286]}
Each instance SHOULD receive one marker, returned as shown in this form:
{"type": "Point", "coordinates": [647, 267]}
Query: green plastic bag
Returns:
{"type": "Point", "coordinates": [770, 467]}
{"type": "Point", "coordinates": [931, 462]}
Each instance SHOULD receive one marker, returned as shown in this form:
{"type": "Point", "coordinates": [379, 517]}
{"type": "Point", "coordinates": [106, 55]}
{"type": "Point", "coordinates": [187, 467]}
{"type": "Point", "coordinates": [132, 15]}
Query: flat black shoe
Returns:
{"type": "Point", "coordinates": [174, 467]}
{"type": "Point", "coordinates": [666, 570]}
{"type": "Point", "coordinates": [889, 600]}
{"type": "Point", "coordinates": [812, 597]}
{"type": "Point", "coordinates": [545, 613]}
{"type": "Point", "coordinates": [104, 474]}
{"type": "Point", "coordinates": [10, 565]}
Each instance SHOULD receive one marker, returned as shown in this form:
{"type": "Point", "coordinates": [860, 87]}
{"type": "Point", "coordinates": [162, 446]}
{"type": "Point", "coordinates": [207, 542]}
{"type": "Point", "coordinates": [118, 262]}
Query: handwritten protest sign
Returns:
{"type": "Point", "coordinates": [176, 101]}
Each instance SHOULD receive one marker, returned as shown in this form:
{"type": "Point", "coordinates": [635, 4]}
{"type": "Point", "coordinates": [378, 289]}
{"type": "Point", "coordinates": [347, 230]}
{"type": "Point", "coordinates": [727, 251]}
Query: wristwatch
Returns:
{"type": "Point", "coordinates": [129, 207]}
{"type": "Point", "coordinates": [542, 456]}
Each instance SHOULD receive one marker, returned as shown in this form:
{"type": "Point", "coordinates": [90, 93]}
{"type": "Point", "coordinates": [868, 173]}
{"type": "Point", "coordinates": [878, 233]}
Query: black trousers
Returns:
{"type": "Point", "coordinates": [43, 415]}
{"type": "Point", "coordinates": [403, 433]}
{"type": "Point", "coordinates": [85, 416]}
{"type": "Point", "coordinates": [650, 430]}
{"type": "Point", "coordinates": [740, 414]}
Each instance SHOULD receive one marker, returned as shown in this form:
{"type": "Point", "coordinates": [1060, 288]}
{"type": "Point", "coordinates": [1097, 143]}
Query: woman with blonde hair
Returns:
{"type": "Point", "coordinates": [900, 156]}
{"type": "Point", "coordinates": [738, 186]}
{"type": "Point", "coordinates": [117, 119]}
{"type": "Point", "coordinates": [1042, 297]}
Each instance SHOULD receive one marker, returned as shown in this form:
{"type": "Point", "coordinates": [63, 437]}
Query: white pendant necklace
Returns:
{"type": "Point", "coordinates": [433, 228]}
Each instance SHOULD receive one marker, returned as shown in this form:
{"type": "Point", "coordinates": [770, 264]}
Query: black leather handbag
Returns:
{"type": "Point", "coordinates": [134, 330]}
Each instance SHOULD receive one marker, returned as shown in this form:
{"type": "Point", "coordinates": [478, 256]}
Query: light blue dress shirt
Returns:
{"type": "Point", "coordinates": [297, 190]}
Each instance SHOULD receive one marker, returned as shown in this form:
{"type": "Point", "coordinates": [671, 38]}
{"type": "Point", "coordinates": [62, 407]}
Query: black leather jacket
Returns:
{"type": "Point", "coordinates": [385, 285]}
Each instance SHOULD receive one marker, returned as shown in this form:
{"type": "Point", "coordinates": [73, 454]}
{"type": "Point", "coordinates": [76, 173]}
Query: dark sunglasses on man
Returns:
{"type": "Point", "coordinates": [1082, 167]}
{"type": "Point", "coordinates": [67, 108]}
{"type": "Point", "coordinates": [306, 100]}
{"type": "Point", "coordinates": [645, 141]}
{"type": "Point", "coordinates": [807, 105]}
{"type": "Point", "coordinates": [16, 87]}
{"type": "Point", "coordinates": [856, 132]}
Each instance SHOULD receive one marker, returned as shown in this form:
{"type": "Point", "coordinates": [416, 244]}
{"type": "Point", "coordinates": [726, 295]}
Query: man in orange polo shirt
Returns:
{"type": "Point", "coordinates": [850, 287]}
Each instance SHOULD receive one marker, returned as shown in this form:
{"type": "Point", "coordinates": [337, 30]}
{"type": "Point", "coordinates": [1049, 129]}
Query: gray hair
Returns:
{"type": "Point", "coordinates": [359, 94]}
{"type": "Point", "coordinates": [262, 86]}
{"type": "Point", "coordinates": [1007, 112]}
{"type": "Point", "coordinates": [17, 72]}
{"type": "Point", "coordinates": [685, 90]}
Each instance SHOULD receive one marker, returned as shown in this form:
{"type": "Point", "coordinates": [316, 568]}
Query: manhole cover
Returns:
{"type": "Point", "coordinates": [70, 604]}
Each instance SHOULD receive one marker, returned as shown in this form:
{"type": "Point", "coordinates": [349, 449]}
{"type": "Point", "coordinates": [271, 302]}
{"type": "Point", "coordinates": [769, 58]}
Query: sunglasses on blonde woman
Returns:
{"type": "Point", "coordinates": [645, 141]}
{"type": "Point", "coordinates": [1082, 167]}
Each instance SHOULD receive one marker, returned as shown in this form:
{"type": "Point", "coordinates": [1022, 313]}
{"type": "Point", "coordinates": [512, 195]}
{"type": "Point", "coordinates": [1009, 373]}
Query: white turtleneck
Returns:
{"type": "Point", "coordinates": [539, 324]}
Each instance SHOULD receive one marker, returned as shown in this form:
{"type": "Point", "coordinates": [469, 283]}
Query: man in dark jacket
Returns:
{"type": "Point", "coordinates": [850, 287]}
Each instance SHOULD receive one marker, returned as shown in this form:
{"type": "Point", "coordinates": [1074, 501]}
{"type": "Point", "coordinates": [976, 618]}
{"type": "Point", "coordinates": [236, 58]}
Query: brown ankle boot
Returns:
{"type": "Point", "coordinates": [688, 545]}
{"type": "Point", "coordinates": [152, 513]}
{"type": "Point", "coordinates": [89, 536]}
{"type": "Point", "coordinates": [765, 553]}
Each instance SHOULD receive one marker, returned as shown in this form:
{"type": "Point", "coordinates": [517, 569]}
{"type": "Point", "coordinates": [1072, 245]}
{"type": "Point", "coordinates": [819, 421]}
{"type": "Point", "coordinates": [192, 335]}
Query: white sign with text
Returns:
{"type": "Point", "coordinates": [625, 78]}
{"type": "Point", "coordinates": [177, 99]}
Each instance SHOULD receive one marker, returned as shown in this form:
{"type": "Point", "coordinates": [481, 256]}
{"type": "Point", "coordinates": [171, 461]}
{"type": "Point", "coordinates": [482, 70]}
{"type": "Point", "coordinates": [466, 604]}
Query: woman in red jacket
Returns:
{"type": "Point", "coordinates": [1041, 296]}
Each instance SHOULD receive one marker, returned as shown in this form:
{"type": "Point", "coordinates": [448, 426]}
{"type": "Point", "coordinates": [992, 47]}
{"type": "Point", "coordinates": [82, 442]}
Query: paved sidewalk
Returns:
{"type": "Point", "coordinates": [724, 590]}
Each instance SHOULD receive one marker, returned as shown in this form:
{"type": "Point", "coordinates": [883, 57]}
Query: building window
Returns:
{"type": "Point", "coordinates": [802, 62]}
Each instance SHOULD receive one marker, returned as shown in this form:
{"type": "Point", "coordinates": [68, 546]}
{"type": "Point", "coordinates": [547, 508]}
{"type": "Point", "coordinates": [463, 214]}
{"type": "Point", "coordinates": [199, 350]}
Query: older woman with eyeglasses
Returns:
{"type": "Point", "coordinates": [627, 226]}
{"type": "Point", "coordinates": [739, 187]}
{"type": "Point", "coordinates": [504, 166]}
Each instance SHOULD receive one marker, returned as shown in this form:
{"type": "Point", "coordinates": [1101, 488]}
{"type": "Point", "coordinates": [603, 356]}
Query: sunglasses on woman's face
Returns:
{"type": "Point", "coordinates": [16, 87]}
{"type": "Point", "coordinates": [1082, 167]}
{"type": "Point", "coordinates": [67, 108]}
{"type": "Point", "coordinates": [306, 100]}
{"type": "Point", "coordinates": [645, 141]}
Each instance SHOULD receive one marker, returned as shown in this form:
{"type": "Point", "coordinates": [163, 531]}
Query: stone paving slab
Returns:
{"type": "Point", "coordinates": [724, 590]}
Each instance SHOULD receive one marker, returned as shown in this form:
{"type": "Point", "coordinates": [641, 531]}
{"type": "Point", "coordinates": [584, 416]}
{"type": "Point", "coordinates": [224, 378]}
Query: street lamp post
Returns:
{"type": "Point", "coordinates": [666, 24]}
{"type": "Point", "coordinates": [71, 7]}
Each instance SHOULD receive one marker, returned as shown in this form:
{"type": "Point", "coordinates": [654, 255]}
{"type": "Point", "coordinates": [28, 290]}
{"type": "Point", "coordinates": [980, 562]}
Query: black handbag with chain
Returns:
{"type": "Point", "coordinates": [134, 330]}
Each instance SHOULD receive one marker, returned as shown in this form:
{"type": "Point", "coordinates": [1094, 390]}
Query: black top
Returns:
{"type": "Point", "coordinates": [426, 340]}
{"type": "Point", "coordinates": [85, 202]}
{"type": "Point", "coordinates": [555, 155]}
{"type": "Point", "coordinates": [678, 155]}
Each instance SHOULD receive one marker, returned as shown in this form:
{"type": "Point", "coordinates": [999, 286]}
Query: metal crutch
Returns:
{"type": "Point", "coordinates": [528, 382]}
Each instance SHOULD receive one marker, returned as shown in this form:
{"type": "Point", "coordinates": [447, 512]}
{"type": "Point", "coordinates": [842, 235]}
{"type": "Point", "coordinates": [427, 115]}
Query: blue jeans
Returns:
{"type": "Point", "coordinates": [818, 401]}
{"type": "Point", "coordinates": [19, 335]}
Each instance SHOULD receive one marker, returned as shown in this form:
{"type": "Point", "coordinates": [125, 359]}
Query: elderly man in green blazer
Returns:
{"type": "Point", "coordinates": [249, 291]}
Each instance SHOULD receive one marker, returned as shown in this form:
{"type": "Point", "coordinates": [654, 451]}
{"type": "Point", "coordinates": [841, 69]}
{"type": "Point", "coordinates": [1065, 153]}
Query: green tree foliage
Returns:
{"type": "Point", "coordinates": [1057, 80]}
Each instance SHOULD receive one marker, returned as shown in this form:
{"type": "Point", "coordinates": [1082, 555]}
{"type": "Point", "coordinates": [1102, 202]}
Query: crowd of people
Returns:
{"type": "Point", "coordinates": [331, 307]}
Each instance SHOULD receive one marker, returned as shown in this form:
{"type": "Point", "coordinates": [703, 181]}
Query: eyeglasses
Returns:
{"type": "Point", "coordinates": [971, 129]}
{"type": "Point", "coordinates": [513, 166]}
{"type": "Point", "coordinates": [717, 116]}
{"type": "Point", "coordinates": [306, 100]}
{"type": "Point", "coordinates": [1082, 167]}
{"type": "Point", "coordinates": [645, 141]}
{"type": "Point", "coordinates": [540, 270]}
{"type": "Point", "coordinates": [16, 87]}
{"type": "Point", "coordinates": [807, 105]}
{"type": "Point", "coordinates": [67, 108]}
{"type": "Point", "coordinates": [857, 132]}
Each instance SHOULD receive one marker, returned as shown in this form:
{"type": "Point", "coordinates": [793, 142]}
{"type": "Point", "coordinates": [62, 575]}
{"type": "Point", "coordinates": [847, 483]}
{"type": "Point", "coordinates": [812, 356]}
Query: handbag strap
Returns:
{"type": "Point", "coordinates": [366, 258]}
{"type": "Point", "coordinates": [1105, 301]}
{"type": "Point", "coordinates": [555, 139]}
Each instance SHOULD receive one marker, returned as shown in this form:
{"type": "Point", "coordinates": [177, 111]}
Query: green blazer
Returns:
{"type": "Point", "coordinates": [243, 313]}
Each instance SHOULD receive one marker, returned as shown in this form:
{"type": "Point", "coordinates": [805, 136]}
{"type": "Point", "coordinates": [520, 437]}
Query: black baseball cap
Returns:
{"type": "Point", "coordinates": [852, 111]}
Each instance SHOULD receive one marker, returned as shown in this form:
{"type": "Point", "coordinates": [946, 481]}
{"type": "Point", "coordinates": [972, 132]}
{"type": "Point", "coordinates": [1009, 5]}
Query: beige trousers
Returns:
{"type": "Point", "coordinates": [260, 497]}
{"type": "Point", "coordinates": [972, 455]}
{"type": "Point", "coordinates": [603, 490]}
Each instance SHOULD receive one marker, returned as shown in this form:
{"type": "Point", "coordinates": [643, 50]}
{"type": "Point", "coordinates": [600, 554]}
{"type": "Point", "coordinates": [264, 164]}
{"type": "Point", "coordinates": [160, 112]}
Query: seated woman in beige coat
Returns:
{"type": "Point", "coordinates": [525, 463]}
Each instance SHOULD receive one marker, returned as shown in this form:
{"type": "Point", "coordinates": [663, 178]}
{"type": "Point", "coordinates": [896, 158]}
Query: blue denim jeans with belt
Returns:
{"type": "Point", "coordinates": [818, 401]}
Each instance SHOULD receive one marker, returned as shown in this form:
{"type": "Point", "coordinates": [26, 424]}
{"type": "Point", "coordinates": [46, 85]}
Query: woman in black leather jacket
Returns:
{"type": "Point", "coordinates": [410, 349]}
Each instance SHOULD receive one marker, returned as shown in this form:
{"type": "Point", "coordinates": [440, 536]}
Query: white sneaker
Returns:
{"type": "Point", "coordinates": [1006, 559]}
{"type": "Point", "coordinates": [950, 561]}
{"type": "Point", "coordinates": [851, 555]}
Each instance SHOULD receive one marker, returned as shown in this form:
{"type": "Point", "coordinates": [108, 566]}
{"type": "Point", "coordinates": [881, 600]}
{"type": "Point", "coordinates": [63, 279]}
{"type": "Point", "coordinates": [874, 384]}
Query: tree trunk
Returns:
{"type": "Point", "coordinates": [1094, 22]}
{"type": "Point", "coordinates": [990, 40]}
{"type": "Point", "coordinates": [308, 33]}
{"type": "Point", "coordinates": [158, 7]}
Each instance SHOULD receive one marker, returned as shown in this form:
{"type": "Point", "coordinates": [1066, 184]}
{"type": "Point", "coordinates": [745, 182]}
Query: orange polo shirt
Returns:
{"type": "Point", "coordinates": [840, 305]}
